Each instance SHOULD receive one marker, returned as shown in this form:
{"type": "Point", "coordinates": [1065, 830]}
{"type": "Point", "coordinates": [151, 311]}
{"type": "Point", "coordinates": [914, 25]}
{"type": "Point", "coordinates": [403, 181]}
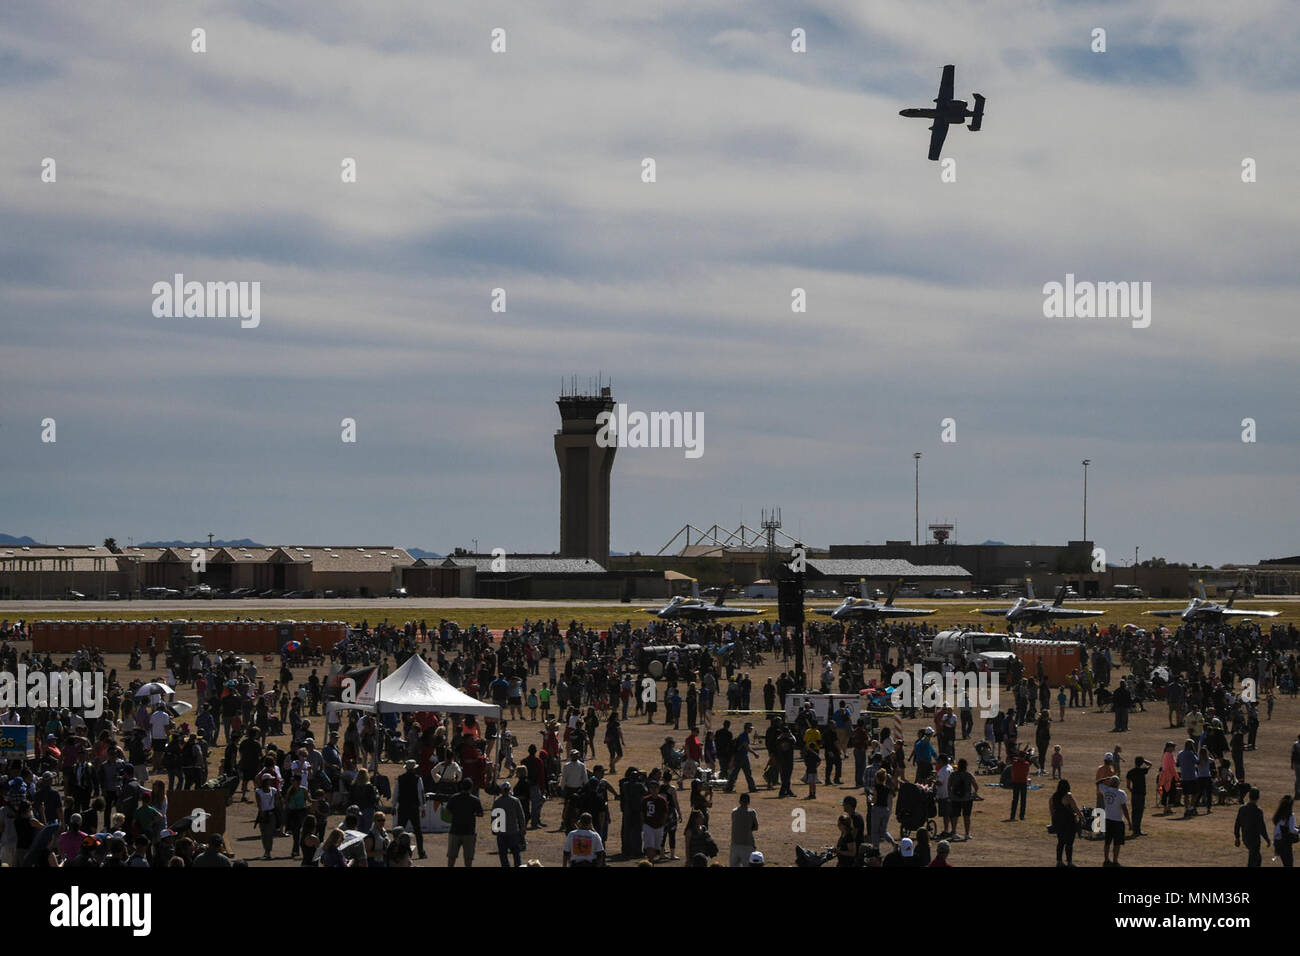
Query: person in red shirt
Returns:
{"type": "Point", "coordinates": [694, 750]}
{"type": "Point", "coordinates": [941, 854]}
{"type": "Point", "coordinates": [1019, 783]}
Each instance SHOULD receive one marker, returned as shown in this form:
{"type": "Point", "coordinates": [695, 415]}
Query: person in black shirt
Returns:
{"type": "Point", "coordinates": [465, 809]}
{"type": "Point", "coordinates": [1137, 785]}
{"type": "Point", "coordinates": [1251, 825]}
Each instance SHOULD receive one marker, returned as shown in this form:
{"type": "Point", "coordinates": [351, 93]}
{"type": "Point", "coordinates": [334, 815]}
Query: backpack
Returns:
{"type": "Point", "coordinates": [959, 786]}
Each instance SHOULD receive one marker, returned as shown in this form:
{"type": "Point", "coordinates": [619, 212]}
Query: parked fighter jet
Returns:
{"type": "Point", "coordinates": [948, 111]}
{"type": "Point", "coordinates": [865, 609]}
{"type": "Point", "coordinates": [1030, 610]}
{"type": "Point", "coordinates": [695, 608]}
{"type": "Point", "coordinates": [1203, 609]}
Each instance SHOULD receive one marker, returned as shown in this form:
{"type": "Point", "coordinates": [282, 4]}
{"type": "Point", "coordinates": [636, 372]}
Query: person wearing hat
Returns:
{"type": "Point", "coordinates": [756, 859]}
{"type": "Point", "coordinates": [901, 855]}
{"type": "Point", "coordinates": [410, 798]}
{"type": "Point", "coordinates": [509, 823]}
{"type": "Point", "coordinates": [1137, 786]}
{"type": "Point", "coordinates": [1105, 771]}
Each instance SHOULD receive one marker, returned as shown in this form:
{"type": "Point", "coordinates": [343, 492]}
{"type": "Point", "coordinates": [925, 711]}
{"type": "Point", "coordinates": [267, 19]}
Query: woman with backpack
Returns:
{"type": "Point", "coordinates": [962, 790]}
{"type": "Point", "coordinates": [1066, 817]}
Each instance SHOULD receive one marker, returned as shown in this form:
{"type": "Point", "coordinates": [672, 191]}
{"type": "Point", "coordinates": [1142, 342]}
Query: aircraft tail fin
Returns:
{"type": "Point", "coordinates": [1060, 595]}
{"type": "Point", "coordinates": [722, 595]}
{"type": "Point", "coordinates": [1233, 596]}
{"type": "Point", "coordinates": [862, 587]}
{"type": "Point", "coordinates": [1200, 587]}
{"type": "Point", "coordinates": [893, 592]}
{"type": "Point", "coordinates": [1029, 588]}
{"type": "Point", "coordinates": [977, 118]}
{"type": "Point", "coordinates": [695, 588]}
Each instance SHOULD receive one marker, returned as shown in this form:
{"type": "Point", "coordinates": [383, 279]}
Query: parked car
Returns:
{"type": "Point", "coordinates": [945, 593]}
{"type": "Point", "coordinates": [198, 591]}
{"type": "Point", "coordinates": [113, 596]}
{"type": "Point", "coordinates": [72, 595]}
{"type": "Point", "coordinates": [273, 593]}
{"type": "Point", "coordinates": [300, 594]}
{"type": "Point", "coordinates": [159, 593]}
{"type": "Point", "coordinates": [243, 593]}
{"type": "Point", "coordinates": [398, 593]}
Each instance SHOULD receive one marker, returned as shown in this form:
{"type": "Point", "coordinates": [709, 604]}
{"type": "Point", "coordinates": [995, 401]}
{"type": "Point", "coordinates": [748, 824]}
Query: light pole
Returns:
{"type": "Point", "coordinates": [1135, 565]}
{"type": "Point", "coordinates": [475, 540]}
{"type": "Point", "coordinates": [1086, 463]}
{"type": "Point", "coordinates": [916, 457]}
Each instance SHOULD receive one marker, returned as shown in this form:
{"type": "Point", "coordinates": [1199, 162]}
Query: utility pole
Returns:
{"type": "Point", "coordinates": [916, 534]}
{"type": "Point", "coordinates": [1086, 463]}
{"type": "Point", "coordinates": [1135, 565]}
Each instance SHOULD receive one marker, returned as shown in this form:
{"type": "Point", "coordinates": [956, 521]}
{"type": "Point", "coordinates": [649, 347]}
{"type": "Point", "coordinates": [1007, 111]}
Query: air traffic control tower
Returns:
{"type": "Point", "coordinates": [584, 476]}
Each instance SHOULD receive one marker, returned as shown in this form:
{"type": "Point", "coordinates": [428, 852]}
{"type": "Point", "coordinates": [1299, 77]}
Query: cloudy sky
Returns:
{"type": "Point", "coordinates": [775, 170]}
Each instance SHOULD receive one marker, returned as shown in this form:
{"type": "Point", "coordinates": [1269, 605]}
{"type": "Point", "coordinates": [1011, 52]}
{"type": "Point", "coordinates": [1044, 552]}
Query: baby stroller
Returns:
{"type": "Point", "coordinates": [987, 762]}
{"type": "Point", "coordinates": [916, 808]}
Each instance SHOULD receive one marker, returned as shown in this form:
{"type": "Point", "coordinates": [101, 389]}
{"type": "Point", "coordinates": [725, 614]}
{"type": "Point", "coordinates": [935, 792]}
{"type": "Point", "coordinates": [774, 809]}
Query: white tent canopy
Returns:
{"type": "Point", "coordinates": [415, 686]}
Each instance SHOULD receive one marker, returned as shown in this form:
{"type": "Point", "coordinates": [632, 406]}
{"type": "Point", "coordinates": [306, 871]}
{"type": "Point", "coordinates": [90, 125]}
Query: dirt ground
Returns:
{"type": "Point", "coordinates": [1084, 736]}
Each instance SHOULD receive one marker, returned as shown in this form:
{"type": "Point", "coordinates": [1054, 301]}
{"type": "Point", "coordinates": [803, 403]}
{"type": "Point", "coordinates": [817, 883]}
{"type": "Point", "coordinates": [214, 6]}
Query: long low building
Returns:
{"type": "Point", "coordinates": [45, 572]}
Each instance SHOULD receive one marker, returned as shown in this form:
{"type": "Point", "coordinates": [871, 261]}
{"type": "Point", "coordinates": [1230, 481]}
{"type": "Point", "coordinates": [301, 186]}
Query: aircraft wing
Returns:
{"type": "Point", "coordinates": [1074, 612]}
{"type": "Point", "coordinates": [895, 611]}
{"type": "Point", "coordinates": [1241, 612]}
{"type": "Point", "coordinates": [999, 611]}
{"type": "Point", "coordinates": [1175, 613]}
{"type": "Point", "coordinates": [939, 131]}
{"type": "Point", "coordinates": [732, 611]}
{"type": "Point", "coordinates": [945, 85]}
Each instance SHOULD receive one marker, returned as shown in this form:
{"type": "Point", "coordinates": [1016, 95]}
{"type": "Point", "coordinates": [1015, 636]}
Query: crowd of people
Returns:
{"type": "Point", "coordinates": [96, 793]}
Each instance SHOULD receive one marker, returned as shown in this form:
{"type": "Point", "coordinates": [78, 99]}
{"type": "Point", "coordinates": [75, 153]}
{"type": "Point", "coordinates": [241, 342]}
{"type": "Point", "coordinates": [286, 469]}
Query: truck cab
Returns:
{"type": "Point", "coordinates": [956, 645]}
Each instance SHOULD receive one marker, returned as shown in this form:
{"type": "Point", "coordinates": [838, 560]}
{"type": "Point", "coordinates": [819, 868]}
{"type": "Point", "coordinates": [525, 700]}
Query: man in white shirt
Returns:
{"type": "Point", "coordinates": [942, 795]}
{"type": "Point", "coordinates": [1116, 802]}
{"type": "Point", "coordinates": [159, 721]}
{"type": "Point", "coordinates": [583, 846]}
{"type": "Point", "coordinates": [573, 778]}
{"type": "Point", "coordinates": [449, 771]}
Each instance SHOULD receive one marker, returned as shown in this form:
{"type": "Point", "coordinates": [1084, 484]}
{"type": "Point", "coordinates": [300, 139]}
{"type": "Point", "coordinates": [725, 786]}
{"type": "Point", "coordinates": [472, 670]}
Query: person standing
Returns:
{"type": "Point", "coordinates": [885, 786]}
{"type": "Point", "coordinates": [465, 809]}
{"type": "Point", "coordinates": [1137, 786]}
{"type": "Point", "coordinates": [1284, 830]}
{"type": "Point", "coordinates": [410, 798]}
{"type": "Point", "coordinates": [1066, 817]}
{"type": "Point", "coordinates": [1117, 816]}
{"type": "Point", "coordinates": [509, 823]}
{"type": "Point", "coordinates": [740, 759]}
{"type": "Point", "coordinates": [1250, 825]}
{"type": "Point", "coordinates": [744, 824]}
{"type": "Point", "coordinates": [1019, 785]}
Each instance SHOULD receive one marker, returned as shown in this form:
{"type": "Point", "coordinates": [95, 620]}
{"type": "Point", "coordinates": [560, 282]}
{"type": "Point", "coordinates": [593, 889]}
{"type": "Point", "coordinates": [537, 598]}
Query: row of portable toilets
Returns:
{"type": "Point", "coordinates": [1059, 657]}
{"type": "Point", "coordinates": [246, 637]}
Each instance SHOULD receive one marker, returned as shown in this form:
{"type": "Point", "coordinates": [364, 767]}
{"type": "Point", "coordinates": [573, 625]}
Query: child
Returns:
{"type": "Point", "coordinates": [1060, 700]}
{"type": "Point", "coordinates": [1058, 762]}
{"type": "Point", "coordinates": [545, 696]}
{"type": "Point", "coordinates": [532, 703]}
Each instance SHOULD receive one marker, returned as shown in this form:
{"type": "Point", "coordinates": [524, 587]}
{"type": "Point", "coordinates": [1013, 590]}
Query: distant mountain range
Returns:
{"type": "Point", "coordinates": [238, 543]}
{"type": "Point", "coordinates": [24, 542]}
